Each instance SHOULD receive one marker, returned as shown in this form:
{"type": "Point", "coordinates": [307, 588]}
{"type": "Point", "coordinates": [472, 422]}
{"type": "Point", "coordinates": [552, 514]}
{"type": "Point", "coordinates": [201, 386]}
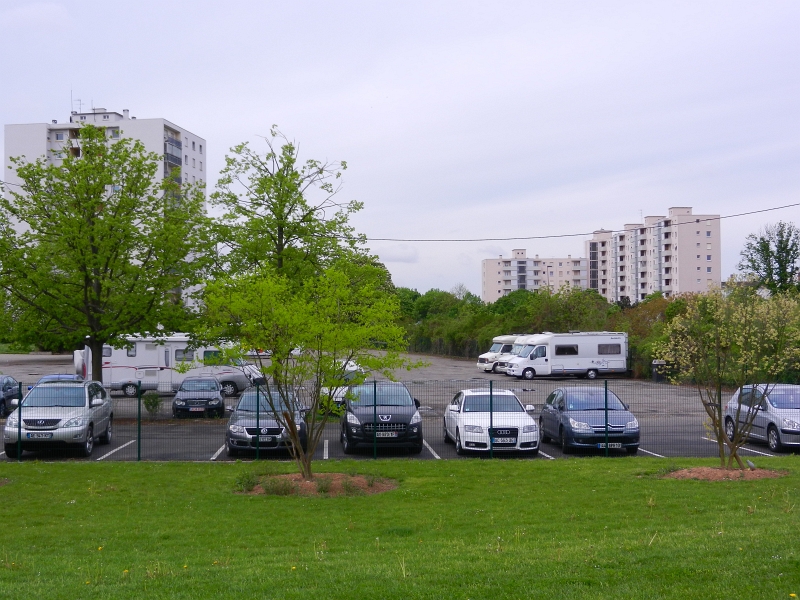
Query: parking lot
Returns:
{"type": "Point", "coordinates": [672, 420]}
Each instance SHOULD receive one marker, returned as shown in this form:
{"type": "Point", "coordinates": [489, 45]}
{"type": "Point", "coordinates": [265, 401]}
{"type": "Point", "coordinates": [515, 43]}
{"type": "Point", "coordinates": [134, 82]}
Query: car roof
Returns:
{"type": "Point", "coordinates": [485, 391]}
{"type": "Point", "coordinates": [202, 378]}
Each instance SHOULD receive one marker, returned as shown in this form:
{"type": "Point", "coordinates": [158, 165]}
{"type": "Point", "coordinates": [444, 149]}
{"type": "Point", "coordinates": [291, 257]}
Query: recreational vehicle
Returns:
{"type": "Point", "coordinates": [162, 364]}
{"type": "Point", "coordinates": [502, 361]}
{"type": "Point", "coordinates": [500, 345]}
{"type": "Point", "coordinates": [584, 354]}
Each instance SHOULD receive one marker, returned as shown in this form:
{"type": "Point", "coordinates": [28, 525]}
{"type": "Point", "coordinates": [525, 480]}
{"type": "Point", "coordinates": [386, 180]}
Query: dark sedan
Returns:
{"type": "Point", "coordinates": [199, 395]}
{"type": "Point", "coordinates": [575, 417]}
{"type": "Point", "coordinates": [384, 414]}
{"type": "Point", "coordinates": [254, 424]}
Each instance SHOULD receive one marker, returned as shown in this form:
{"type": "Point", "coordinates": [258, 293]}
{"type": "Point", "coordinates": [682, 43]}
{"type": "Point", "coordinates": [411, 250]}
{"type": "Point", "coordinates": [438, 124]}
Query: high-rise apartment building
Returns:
{"type": "Point", "coordinates": [179, 147]}
{"type": "Point", "coordinates": [675, 254]}
{"type": "Point", "coordinates": [501, 276]}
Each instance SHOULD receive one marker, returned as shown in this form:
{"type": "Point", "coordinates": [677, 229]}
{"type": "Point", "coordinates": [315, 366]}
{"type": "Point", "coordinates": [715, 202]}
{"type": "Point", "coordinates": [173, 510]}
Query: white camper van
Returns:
{"type": "Point", "coordinates": [502, 361]}
{"type": "Point", "coordinates": [585, 354]}
{"type": "Point", "coordinates": [152, 362]}
{"type": "Point", "coordinates": [500, 345]}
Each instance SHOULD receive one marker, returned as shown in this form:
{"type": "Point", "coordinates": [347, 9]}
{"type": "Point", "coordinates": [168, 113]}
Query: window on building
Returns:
{"type": "Point", "coordinates": [708, 257]}
{"type": "Point", "coordinates": [193, 179]}
{"type": "Point", "coordinates": [186, 159]}
{"type": "Point", "coordinates": [698, 257]}
{"type": "Point", "coordinates": [201, 148]}
{"type": "Point", "coordinates": [201, 165]}
{"type": "Point", "coordinates": [83, 117]}
{"type": "Point", "coordinates": [698, 233]}
{"type": "Point", "coordinates": [194, 163]}
{"type": "Point", "coordinates": [708, 234]}
{"type": "Point", "coordinates": [105, 117]}
{"type": "Point", "coordinates": [698, 281]}
{"type": "Point", "coordinates": [59, 136]}
{"type": "Point", "coordinates": [192, 145]}
{"type": "Point", "coordinates": [708, 269]}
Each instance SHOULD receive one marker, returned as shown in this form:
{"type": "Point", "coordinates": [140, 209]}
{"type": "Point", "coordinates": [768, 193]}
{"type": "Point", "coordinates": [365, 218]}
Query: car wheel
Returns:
{"type": "Point", "coordinates": [774, 439]}
{"type": "Point", "coordinates": [232, 452]}
{"type": "Point", "coordinates": [591, 374]}
{"type": "Point", "coordinates": [347, 445]}
{"type": "Point", "coordinates": [528, 374]}
{"type": "Point", "coordinates": [11, 451]}
{"type": "Point", "coordinates": [545, 437]}
{"type": "Point", "coordinates": [106, 437]}
{"type": "Point", "coordinates": [130, 390]}
{"type": "Point", "coordinates": [494, 368]}
{"type": "Point", "coordinates": [459, 448]}
{"type": "Point", "coordinates": [563, 439]}
{"type": "Point", "coordinates": [229, 388]}
{"type": "Point", "coordinates": [88, 445]}
{"type": "Point", "coordinates": [416, 449]}
{"type": "Point", "coordinates": [632, 450]}
{"type": "Point", "coordinates": [730, 429]}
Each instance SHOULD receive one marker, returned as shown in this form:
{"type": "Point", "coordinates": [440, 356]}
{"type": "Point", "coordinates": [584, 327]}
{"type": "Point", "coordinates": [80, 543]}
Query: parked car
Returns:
{"type": "Point", "coordinates": [61, 413]}
{"type": "Point", "coordinates": [199, 395]}
{"type": "Point", "coordinates": [575, 417]}
{"type": "Point", "coordinates": [473, 418]}
{"type": "Point", "coordinates": [384, 414]}
{"type": "Point", "coordinates": [254, 421]}
{"type": "Point", "coordinates": [774, 410]}
{"type": "Point", "coordinates": [9, 390]}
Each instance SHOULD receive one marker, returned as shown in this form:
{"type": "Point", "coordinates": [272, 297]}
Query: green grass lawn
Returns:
{"type": "Point", "coordinates": [586, 528]}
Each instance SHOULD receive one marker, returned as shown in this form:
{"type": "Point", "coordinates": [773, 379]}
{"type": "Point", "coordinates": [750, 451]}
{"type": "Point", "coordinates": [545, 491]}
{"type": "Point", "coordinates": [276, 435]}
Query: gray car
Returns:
{"type": "Point", "coordinates": [774, 410]}
{"type": "Point", "coordinates": [575, 417]}
{"type": "Point", "coordinates": [253, 423]}
{"type": "Point", "coordinates": [69, 414]}
{"type": "Point", "coordinates": [199, 396]}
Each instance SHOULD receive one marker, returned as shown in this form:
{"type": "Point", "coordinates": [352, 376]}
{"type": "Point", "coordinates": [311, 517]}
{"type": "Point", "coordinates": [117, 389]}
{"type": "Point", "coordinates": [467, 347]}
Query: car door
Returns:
{"type": "Point", "coordinates": [550, 414]}
{"type": "Point", "coordinates": [98, 412]}
{"type": "Point", "coordinates": [451, 415]}
{"type": "Point", "coordinates": [763, 414]}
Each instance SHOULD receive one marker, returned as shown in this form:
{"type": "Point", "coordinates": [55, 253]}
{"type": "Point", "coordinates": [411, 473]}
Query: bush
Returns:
{"type": "Point", "coordinates": [152, 402]}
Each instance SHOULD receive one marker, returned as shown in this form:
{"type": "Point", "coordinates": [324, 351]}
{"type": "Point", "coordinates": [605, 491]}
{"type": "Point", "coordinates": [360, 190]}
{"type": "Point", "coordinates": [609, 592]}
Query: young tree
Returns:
{"type": "Point", "coordinates": [731, 339]}
{"type": "Point", "coordinates": [339, 318]}
{"type": "Point", "coordinates": [773, 257]}
{"type": "Point", "coordinates": [92, 249]}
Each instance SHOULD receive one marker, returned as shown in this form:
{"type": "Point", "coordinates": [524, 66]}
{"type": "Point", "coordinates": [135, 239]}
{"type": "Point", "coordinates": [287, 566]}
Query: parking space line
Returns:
{"type": "Point", "coordinates": [325, 450]}
{"type": "Point", "coordinates": [743, 448]}
{"type": "Point", "coordinates": [428, 446]}
{"type": "Point", "coordinates": [218, 452]}
{"type": "Point", "coordinates": [107, 454]}
{"type": "Point", "coordinates": [547, 456]}
{"type": "Point", "coordinates": [651, 453]}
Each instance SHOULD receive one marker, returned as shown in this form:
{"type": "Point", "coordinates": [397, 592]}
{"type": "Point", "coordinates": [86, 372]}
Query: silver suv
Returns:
{"type": "Point", "coordinates": [71, 414]}
{"type": "Point", "coordinates": [774, 410]}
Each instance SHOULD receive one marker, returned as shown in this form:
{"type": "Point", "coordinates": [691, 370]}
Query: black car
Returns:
{"type": "Point", "coordinates": [9, 390]}
{"type": "Point", "coordinates": [199, 395]}
{"type": "Point", "coordinates": [384, 414]}
{"type": "Point", "coordinates": [575, 417]}
{"type": "Point", "coordinates": [253, 422]}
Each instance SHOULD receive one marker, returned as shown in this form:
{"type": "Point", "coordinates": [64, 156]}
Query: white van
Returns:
{"type": "Point", "coordinates": [502, 361]}
{"type": "Point", "coordinates": [585, 354]}
{"type": "Point", "coordinates": [500, 345]}
{"type": "Point", "coordinates": [152, 363]}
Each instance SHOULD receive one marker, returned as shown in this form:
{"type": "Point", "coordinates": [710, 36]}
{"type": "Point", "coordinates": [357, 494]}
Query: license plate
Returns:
{"type": "Point", "coordinates": [610, 445]}
{"type": "Point", "coordinates": [265, 438]}
{"type": "Point", "coordinates": [40, 436]}
{"type": "Point", "coordinates": [386, 434]}
{"type": "Point", "coordinates": [196, 409]}
{"type": "Point", "coordinates": [504, 440]}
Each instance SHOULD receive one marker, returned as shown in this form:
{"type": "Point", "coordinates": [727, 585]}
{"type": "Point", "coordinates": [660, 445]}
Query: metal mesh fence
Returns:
{"type": "Point", "coordinates": [542, 419]}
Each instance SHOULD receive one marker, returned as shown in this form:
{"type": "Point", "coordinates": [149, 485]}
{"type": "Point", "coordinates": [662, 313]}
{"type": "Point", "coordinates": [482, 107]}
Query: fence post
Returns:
{"type": "Point", "coordinates": [491, 418]}
{"type": "Point", "coordinates": [606, 412]}
{"type": "Point", "coordinates": [258, 421]}
{"type": "Point", "coordinates": [375, 419]}
{"type": "Point", "coordinates": [19, 425]}
{"type": "Point", "coordinates": [139, 421]}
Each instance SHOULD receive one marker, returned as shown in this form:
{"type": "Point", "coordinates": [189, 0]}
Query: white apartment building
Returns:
{"type": "Point", "coordinates": [179, 147]}
{"type": "Point", "coordinates": [501, 276]}
{"type": "Point", "coordinates": [675, 254]}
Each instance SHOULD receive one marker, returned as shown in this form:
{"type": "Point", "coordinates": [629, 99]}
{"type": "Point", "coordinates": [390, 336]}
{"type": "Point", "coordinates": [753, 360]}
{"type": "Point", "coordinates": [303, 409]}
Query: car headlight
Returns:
{"type": "Point", "coordinates": [74, 422]}
{"type": "Point", "coordinates": [789, 424]}
{"type": "Point", "coordinates": [352, 419]}
{"type": "Point", "coordinates": [417, 418]}
{"type": "Point", "coordinates": [632, 424]}
{"type": "Point", "coordinates": [213, 402]}
{"type": "Point", "coordinates": [237, 429]}
{"type": "Point", "coordinates": [12, 421]}
{"type": "Point", "coordinates": [473, 428]}
{"type": "Point", "coordinates": [579, 425]}
{"type": "Point", "coordinates": [530, 428]}
{"type": "Point", "coordinates": [180, 402]}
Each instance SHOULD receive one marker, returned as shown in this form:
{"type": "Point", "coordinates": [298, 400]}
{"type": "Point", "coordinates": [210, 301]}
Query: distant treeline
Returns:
{"type": "Point", "coordinates": [460, 324]}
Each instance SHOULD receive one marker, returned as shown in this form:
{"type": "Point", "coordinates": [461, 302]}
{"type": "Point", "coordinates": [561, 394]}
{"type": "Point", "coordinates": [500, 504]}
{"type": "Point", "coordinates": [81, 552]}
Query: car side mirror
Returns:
{"type": "Point", "coordinates": [95, 402]}
{"type": "Point", "coordinates": [14, 402]}
{"type": "Point", "coordinates": [453, 407]}
{"type": "Point", "coordinates": [416, 402]}
{"type": "Point", "coordinates": [530, 408]}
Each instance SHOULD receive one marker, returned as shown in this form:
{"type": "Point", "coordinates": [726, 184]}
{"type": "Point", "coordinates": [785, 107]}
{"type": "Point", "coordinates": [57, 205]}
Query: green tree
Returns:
{"type": "Point", "coordinates": [731, 339]}
{"type": "Point", "coordinates": [772, 257]}
{"type": "Point", "coordinates": [93, 249]}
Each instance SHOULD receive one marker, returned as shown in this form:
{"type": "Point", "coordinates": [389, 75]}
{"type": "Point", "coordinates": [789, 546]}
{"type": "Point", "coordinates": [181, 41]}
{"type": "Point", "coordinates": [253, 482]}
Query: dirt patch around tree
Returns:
{"type": "Point", "coordinates": [325, 485]}
{"type": "Point", "coordinates": [718, 474]}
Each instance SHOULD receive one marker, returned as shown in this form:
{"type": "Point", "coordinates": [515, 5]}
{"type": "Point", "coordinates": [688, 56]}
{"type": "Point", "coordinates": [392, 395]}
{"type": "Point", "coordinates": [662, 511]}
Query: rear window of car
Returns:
{"type": "Point", "coordinates": [199, 385]}
{"type": "Point", "coordinates": [497, 404]}
{"type": "Point", "coordinates": [785, 399]}
{"type": "Point", "coordinates": [55, 395]}
{"type": "Point", "coordinates": [363, 395]}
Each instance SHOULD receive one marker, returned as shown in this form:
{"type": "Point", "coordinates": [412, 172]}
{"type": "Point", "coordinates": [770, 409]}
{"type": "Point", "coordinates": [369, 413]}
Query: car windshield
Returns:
{"type": "Point", "coordinates": [363, 395]}
{"type": "Point", "coordinates": [199, 385]}
{"type": "Point", "coordinates": [525, 351]}
{"type": "Point", "coordinates": [249, 403]}
{"type": "Point", "coordinates": [592, 399]}
{"type": "Point", "coordinates": [498, 404]}
{"type": "Point", "coordinates": [516, 348]}
{"type": "Point", "coordinates": [496, 347]}
{"type": "Point", "coordinates": [785, 399]}
{"type": "Point", "coordinates": [55, 395]}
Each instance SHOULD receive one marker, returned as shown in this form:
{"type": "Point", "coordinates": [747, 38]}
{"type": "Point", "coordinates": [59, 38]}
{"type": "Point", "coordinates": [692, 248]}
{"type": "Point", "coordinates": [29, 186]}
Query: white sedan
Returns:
{"type": "Point", "coordinates": [508, 427]}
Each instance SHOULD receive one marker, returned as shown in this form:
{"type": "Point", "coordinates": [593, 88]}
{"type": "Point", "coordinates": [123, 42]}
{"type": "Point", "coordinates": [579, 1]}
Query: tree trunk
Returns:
{"type": "Point", "coordinates": [97, 359]}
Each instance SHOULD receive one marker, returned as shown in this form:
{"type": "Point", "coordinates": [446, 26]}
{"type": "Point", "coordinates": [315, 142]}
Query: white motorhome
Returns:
{"type": "Point", "coordinates": [152, 363]}
{"type": "Point", "coordinates": [584, 354]}
{"type": "Point", "coordinates": [501, 344]}
{"type": "Point", "coordinates": [502, 361]}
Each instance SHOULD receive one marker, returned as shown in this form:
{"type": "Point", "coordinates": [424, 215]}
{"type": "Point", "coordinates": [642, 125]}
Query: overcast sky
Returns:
{"type": "Point", "coordinates": [457, 119]}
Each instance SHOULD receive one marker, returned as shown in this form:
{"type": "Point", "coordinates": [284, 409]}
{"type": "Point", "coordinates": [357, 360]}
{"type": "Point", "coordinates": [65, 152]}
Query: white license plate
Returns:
{"type": "Point", "coordinates": [504, 440]}
{"type": "Point", "coordinates": [610, 445]}
{"type": "Point", "coordinates": [197, 409]}
{"type": "Point", "coordinates": [386, 434]}
{"type": "Point", "coordinates": [265, 438]}
{"type": "Point", "coordinates": [40, 436]}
